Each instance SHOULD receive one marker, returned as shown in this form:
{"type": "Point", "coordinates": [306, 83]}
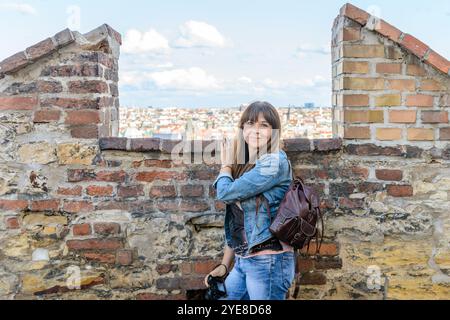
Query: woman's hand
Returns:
{"type": "Point", "coordinates": [220, 271]}
{"type": "Point", "coordinates": [227, 152]}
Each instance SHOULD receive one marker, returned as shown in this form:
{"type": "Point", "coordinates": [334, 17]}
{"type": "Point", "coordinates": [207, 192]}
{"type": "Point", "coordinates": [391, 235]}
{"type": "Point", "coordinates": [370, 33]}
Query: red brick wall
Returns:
{"type": "Point", "coordinates": [76, 88]}
{"type": "Point", "coordinates": [382, 91]}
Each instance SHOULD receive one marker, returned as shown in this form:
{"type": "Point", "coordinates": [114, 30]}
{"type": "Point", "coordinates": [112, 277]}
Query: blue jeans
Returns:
{"type": "Point", "coordinates": [263, 277]}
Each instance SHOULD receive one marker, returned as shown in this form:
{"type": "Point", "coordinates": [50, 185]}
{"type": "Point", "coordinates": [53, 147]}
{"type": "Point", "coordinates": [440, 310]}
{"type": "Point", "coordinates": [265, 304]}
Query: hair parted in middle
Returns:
{"type": "Point", "coordinates": [243, 161]}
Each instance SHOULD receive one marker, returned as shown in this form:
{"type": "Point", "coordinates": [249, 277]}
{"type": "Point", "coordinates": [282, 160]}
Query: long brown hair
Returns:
{"type": "Point", "coordinates": [242, 159]}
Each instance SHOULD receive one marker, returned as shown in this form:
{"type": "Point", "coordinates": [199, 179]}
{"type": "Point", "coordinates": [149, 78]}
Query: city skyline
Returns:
{"type": "Point", "coordinates": [214, 123]}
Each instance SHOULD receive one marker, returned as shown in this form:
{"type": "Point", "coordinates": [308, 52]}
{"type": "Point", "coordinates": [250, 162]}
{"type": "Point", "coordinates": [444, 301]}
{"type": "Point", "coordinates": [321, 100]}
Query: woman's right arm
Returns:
{"type": "Point", "coordinates": [228, 256]}
{"type": "Point", "coordinates": [264, 176]}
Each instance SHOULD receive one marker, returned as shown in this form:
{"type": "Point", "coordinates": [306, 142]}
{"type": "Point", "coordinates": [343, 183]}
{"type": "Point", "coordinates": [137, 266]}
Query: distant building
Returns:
{"type": "Point", "coordinates": [133, 132]}
{"type": "Point", "coordinates": [309, 105]}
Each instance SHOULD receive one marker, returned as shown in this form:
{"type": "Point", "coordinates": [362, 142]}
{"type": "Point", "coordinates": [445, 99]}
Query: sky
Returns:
{"type": "Point", "coordinates": [201, 53]}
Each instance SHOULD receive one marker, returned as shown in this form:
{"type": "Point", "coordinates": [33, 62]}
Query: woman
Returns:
{"type": "Point", "coordinates": [254, 165]}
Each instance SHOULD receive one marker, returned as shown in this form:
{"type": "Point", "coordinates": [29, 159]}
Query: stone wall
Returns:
{"type": "Point", "coordinates": [130, 222]}
{"type": "Point", "coordinates": [391, 98]}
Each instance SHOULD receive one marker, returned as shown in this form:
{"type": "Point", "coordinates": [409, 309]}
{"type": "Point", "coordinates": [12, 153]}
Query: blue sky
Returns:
{"type": "Point", "coordinates": [218, 53]}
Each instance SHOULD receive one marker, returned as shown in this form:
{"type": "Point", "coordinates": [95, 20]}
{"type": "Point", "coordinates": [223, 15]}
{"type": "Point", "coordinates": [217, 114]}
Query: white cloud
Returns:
{"type": "Point", "coordinates": [161, 65]}
{"type": "Point", "coordinates": [132, 78]}
{"type": "Point", "coordinates": [200, 34]}
{"type": "Point", "coordinates": [150, 41]}
{"type": "Point", "coordinates": [185, 79]}
{"type": "Point", "coordinates": [246, 85]}
{"type": "Point", "coordinates": [162, 76]}
{"type": "Point", "coordinates": [316, 81]}
{"type": "Point", "coordinates": [138, 62]}
{"type": "Point", "coordinates": [305, 49]}
{"type": "Point", "coordinates": [190, 79]}
{"type": "Point", "coordinates": [245, 80]}
{"type": "Point", "coordinates": [272, 84]}
{"type": "Point", "coordinates": [18, 7]}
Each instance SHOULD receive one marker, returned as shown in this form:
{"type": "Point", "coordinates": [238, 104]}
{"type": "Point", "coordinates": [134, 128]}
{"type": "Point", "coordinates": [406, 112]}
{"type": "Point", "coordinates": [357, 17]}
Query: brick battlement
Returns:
{"type": "Point", "coordinates": [389, 88]}
{"type": "Point", "coordinates": [167, 146]}
{"type": "Point", "coordinates": [404, 40]}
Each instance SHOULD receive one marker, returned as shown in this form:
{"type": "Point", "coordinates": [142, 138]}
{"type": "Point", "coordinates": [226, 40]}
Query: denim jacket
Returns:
{"type": "Point", "coordinates": [270, 177]}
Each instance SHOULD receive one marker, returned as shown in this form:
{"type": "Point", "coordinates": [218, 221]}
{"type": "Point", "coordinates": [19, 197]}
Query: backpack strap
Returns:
{"type": "Point", "coordinates": [297, 275]}
{"type": "Point", "coordinates": [321, 230]}
{"type": "Point", "coordinates": [291, 170]}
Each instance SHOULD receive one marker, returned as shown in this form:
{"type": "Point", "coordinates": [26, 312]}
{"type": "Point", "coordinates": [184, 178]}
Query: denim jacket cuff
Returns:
{"type": "Point", "coordinates": [221, 175]}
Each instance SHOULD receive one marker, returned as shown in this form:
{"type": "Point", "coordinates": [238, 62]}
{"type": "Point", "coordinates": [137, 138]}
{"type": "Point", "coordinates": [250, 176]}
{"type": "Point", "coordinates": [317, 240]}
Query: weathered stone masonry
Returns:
{"type": "Point", "coordinates": [141, 226]}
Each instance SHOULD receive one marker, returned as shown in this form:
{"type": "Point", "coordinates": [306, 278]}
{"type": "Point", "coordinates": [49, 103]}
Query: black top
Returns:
{"type": "Point", "coordinates": [239, 241]}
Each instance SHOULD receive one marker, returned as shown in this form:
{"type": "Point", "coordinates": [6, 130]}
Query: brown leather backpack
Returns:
{"type": "Point", "coordinates": [297, 220]}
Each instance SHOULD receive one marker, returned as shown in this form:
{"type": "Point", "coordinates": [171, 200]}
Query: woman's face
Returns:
{"type": "Point", "coordinates": [257, 134]}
